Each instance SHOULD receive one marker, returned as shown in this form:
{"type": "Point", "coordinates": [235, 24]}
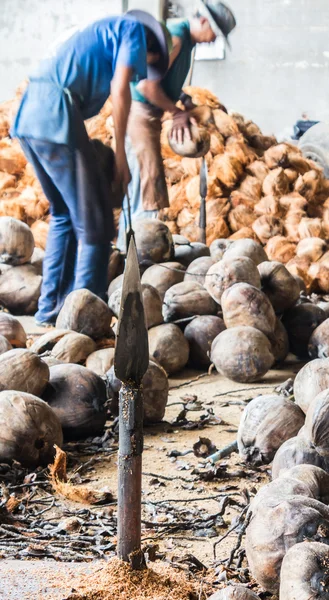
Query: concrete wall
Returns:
{"type": "Point", "coordinates": [278, 67]}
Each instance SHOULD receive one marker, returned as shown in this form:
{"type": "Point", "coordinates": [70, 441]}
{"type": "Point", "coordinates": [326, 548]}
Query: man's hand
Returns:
{"type": "Point", "coordinates": [123, 175]}
{"type": "Point", "coordinates": [181, 126]}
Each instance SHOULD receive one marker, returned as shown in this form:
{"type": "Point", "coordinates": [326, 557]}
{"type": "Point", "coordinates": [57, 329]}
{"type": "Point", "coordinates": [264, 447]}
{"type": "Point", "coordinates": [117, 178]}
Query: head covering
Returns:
{"type": "Point", "coordinates": [220, 17]}
{"type": "Point", "coordinates": [158, 69]}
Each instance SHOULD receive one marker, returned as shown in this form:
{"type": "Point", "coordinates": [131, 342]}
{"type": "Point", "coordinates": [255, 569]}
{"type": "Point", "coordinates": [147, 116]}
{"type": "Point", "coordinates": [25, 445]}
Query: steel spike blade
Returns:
{"type": "Point", "coordinates": [203, 179]}
{"type": "Point", "coordinates": [131, 358]}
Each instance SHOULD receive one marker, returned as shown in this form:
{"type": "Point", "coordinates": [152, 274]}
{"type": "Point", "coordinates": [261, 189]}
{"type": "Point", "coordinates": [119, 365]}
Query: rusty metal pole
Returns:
{"type": "Point", "coordinates": [130, 363]}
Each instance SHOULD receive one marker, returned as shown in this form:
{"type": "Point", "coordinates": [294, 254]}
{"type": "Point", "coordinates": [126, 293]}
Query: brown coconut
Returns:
{"type": "Point", "coordinates": [152, 304]}
{"type": "Point", "coordinates": [244, 304]}
{"type": "Point", "coordinates": [241, 216]}
{"type": "Point", "coordinates": [73, 348]}
{"type": "Point", "coordinates": [229, 271]}
{"type": "Point", "coordinates": [115, 284]}
{"type": "Point", "coordinates": [318, 346]}
{"type": "Point", "coordinates": [269, 205]}
{"type": "Point", "coordinates": [77, 396]}
{"type": "Point", "coordinates": [86, 313]}
{"type": "Point", "coordinates": [163, 276]}
{"type": "Point", "coordinates": [312, 248]}
{"type": "Point", "coordinates": [100, 361]}
{"type": "Point", "coordinates": [242, 354]}
{"type": "Point", "coordinates": [277, 156]}
{"type": "Point", "coordinates": [153, 241]}
{"type": "Point", "coordinates": [169, 347]}
{"type": "Point", "coordinates": [187, 299]}
{"type": "Point", "coordinates": [258, 169]}
{"type": "Point", "coordinates": [116, 264]}
{"type": "Point", "coordinates": [317, 277]}
{"type": "Point", "coordinates": [155, 392]}
{"type": "Point", "coordinates": [298, 451]}
{"type": "Point", "coordinates": [37, 260]}
{"type": "Point", "coordinates": [11, 328]}
{"type": "Point", "coordinates": [243, 233]}
{"type": "Point", "coordinates": [279, 342]}
{"type": "Point", "coordinates": [234, 592]}
{"type": "Point", "coordinates": [46, 342]}
{"type": "Point", "coordinates": [23, 371]}
{"type": "Point", "coordinates": [218, 248]}
{"type": "Point", "coordinates": [20, 289]}
{"type": "Point", "coordinates": [293, 202]}
{"type": "Point", "coordinates": [312, 379]}
{"type": "Point", "coordinates": [279, 285]}
{"type": "Point", "coordinates": [198, 144]}
{"type": "Point", "coordinates": [309, 228]}
{"type": "Point", "coordinates": [200, 334]}
{"type": "Point", "coordinates": [4, 345]}
{"type": "Point", "coordinates": [304, 572]}
{"type": "Point", "coordinates": [249, 248]}
{"type": "Point", "coordinates": [276, 183]}
{"type": "Point", "coordinates": [300, 321]}
{"type": "Point", "coordinates": [314, 478]}
{"type": "Point", "coordinates": [266, 423]}
{"type": "Point", "coordinates": [280, 249]}
{"type": "Point", "coordinates": [277, 526]}
{"type": "Point", "coordinates": [292, 175]}
{"type": "Point", "coordinates": [316, 428]}
{"type": "Point", "coordinates": [16, 241]}
{"type": "Point", "coordinates": [186, 253]}
{"type": "Point", "coordinates": [29, 430]}
{"type": "Point", "coordinates": [267, 226]}
{"type": "Point", "coordinates": [198, 269]}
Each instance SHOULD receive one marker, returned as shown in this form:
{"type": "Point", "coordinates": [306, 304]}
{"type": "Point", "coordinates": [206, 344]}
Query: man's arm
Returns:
{"type": "Point", "coordinates": [121, 102]}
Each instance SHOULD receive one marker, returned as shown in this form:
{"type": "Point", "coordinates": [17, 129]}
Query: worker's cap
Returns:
{"type": "Point", "coordinates": [221, 18]}
{"type": "Point", "coordinates": [156, 70]}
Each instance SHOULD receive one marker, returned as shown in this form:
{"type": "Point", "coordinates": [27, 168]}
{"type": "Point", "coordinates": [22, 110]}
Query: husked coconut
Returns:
{"type": "Point", "coordinates": [200, 334]}
{"type": "Point", "coordinates": [300, 321]}
{"type": "Point", "coordinates": [74, 348]}
{"type": "Point", "coordinates": [311, 247]}
{"type": "Point", "coordinates": [198, 269]}
{"type": "Point", "coordinates": [276, 526]}
{"type": "Point", "coordinates": [279, 285]}
{"type": "Point", "coordinates": [304, 572]}
{"type": "Point", "coordinates": [227, 272]}
{"type": "Point", "coordinates": [116, 265]}
{"type": "Point", "coordinates": [280, 249]}
{"type": "Point", "coordinates": [155, 392]}
{"type": "Point", "coordinates": [16, 241]}
{"type": "Point", "coordinates": [218, 248]}
{"type": "Point", "coordinates": [13, 330]}
{"type": "Point", "coordinates": [115, 284]}
{"type": "Point", "coordinates": [315, 479]}
{"type": "Point", "coordinates": [198, 144]}
{"type": "Point", "coordinates": [23, 371]}
{"type": "Point", "coordinates": [234, 592]}
{"type": "Point", "coordinates": [77, 396]}
{"type": "Point", "coordinates": [266, 423]}
{"type": "Point", "coordinates": [186, 253]}
{"type": "Point", "coordinates": [37, 260]}
{"type": "Point", "coordinates": [46, 342]}
{"type": "Point", "coordinates": [169, 347]}
{"type": "Point", "coordinates": [29, 430]}
{"type": "Point", "coordinates": [163, 276]}
{"type": "Point", "coordinates": [318, 346]}
{"type": "Point", "coordinates": [4, 345]}
{"type": "Point", "coordinates": [244, 304]}
{"type": "Point", "coordinates": [20, 289]}
{"type": "Point", "coordinates": [151, 300]}
{"type": "Point", "coordinates": [249, 248]}
{"type": "Point", "coordinates": [298, 451]}
{"type": "Point", "coordinates": [279, 342]}
{"type": "Point", "coordinates": [86, 313]}
{"type": "Point", "coordinates": [317, 421]}
{"type": "Point", "coordinates": [100, 361]}
{"type": "Point", "coordinates": [243, 354]}
{"type": "Point", "coordinates": [153, 241]}
{"type": "Point", "coordinates": [312, 379]}
{"type": "Point", "coordinates": [187, 299]}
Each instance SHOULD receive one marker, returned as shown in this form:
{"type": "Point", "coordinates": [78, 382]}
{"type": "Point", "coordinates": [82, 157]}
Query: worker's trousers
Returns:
{"type": "Point", "coordinates": [70, 263]}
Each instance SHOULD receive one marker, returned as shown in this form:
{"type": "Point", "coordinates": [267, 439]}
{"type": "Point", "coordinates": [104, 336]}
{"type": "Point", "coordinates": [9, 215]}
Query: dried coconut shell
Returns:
{"type": "Point", "coordinates": [312, 248]}
{"type": "Point", "coordinates": [279, 342]}
{"type": "Point", "coordinates": [46, 342]}
{"type": "Point", "coordinates": [16, 241]}
{"type": "Point", "coordinates": [267, 226]}
{"type": "Point", "coordinates": [312, 379]}
{"type": "Point", "coordinates": [73, 348]}
{"type": "Point", "coordinates": [318, 346]}
{"type": "Point", "coordinates": [200, 334]}
{"type": "Point", "coordinates": [303, 571]}
{"type": "Point", "coordinates": [315, 479]}
{"type": "Point", "coordinates": [20, 289]}
{"type": "Point", "coordinates": [198, 269]}
{"type": "Point", "coordinates": [12, 330]}
{"type": "Point", "coordinates": [242, 354]}
{"type": "Point", "coordinates": [169, 347]}
{"type": "Point", "coordinates": [298, 451]}
{"type": "Point", "coordinates": [276, 183]}
{"type": "Point", "coordinates": [234, 592]}
{"type": "Point", "coordinates": [23, 371]}
{"type": "Point", "coordinates": [266, 423]}
{"type": "Point", "coordinates": [244, 304]}
{"type": "Point", "coordinates": [100, 361]}
{"type": "Point", "coordinates": [86, 313]}
{"type": "Point", "coordinates": [243, 233]}
{"type": "Point", "coordinates": [300, 321]}
{"type": "Point", "coordinates": [163, 276]}
{"type": "Point", "coordinates": [187, 299]}
{"type": "Point", "coordinates": [153, 240]}
{"type": "Point", "coordinates": [280, 249]}
{"type": "Point", "coordinates": [185, 253]}
{"type": "Point", "coordinates": [279, 285]}
{"type": "Point", "coordinates": [227, 272]}
{"type": "Point", "coordinates": [258, 169]}
{"type": "Point", "coordinates": [241, 216]}
{"type": "Point", "coordinates": [317, 422]}
{"type": "Point", "coordinates": [249, 248]}
{"type": "Point", "coordinates": [37, 259]}
{"type": "Point", "coordinates": [198, 144]}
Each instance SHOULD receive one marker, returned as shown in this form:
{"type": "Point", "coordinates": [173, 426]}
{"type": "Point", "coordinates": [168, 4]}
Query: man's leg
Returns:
{"type": "Point", "coordinates": [60, 255]}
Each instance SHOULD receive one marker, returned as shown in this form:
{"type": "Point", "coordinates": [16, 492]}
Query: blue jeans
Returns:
{"type": "Point", "coordinates": [70, 263]}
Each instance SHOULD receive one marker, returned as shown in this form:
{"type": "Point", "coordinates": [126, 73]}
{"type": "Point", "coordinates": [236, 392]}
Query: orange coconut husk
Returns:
{"type": "Point", "coordinates": [12, 159]}
{"type": "Point", "coordinates": [244, 233]}
{"type": "Point", "coordinates": [217, 143]}
{"type": "Point", "coordinates": [277, 156]}
{"type": "Point", "coordinates": [266, 227]}
{"type": "Point", "coordinates": [310, 228]}
{"type": "Point", "coordinates": [202, 96]}
{"type": "Point", "coordinates": [299, 266]}
{"type": "Point", "coordinates": [293, 201]}
{"type": "Point", "coordinates": [237, 147]}
{"type": "Point", "coordinates": [40, 233]}
{"type": "Point", "coordinates": [12, 208]}
{"type": "Point", "coordinates": [225, 124]}
{"type": "Point", "coordinates": [318, 275]}
{"type": "Point", "coordinates": [6, 181]}
{"type": "Point", "coordinates": [280, 249]}
{"type": "Point", "coordinates": [185, 218]}
{"type": "Point", "coordinates": [258, 169]}
{"type": "Point", "coordinates": [309, 184]}
{"type": "Point", "coordinates": [276, 183]}
{"type": "Point", "coordinates": [269, 205]}
{"type": "Point", "coordinates": [227, 169]}
{"type": "Point", "coordinates": [174, 170]}
{"type": "Point", "coordinates": [252, 187]}
{"type": "Point", "coordinates": [237, 198]}
{"type": "Point", "coordinates": [241, 216]}
{"type": "Point", "coordinates": [292, 175]}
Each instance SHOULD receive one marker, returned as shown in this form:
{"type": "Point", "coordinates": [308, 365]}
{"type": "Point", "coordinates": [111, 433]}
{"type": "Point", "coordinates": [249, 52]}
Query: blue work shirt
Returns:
{"type": "Point", "coordinates": [79, 74]}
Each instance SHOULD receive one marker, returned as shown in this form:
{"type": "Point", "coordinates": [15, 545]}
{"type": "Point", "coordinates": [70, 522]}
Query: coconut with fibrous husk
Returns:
{"type": "Point", "coordinates": [311, 247]}
{"type": "Point", "coordinates": [267, 226]}
{"type": "Point", "coordinates": [29, 429]}
{"type": "Point", "coordinates": [293, 202]}
{"type": "Point", "coordinates": [198, 269]}
{"type": "Point", "coordinates": [292, 175]}
{"type": "Point", "coordinates": [23, 371]}
{"type": "Point", "coordinates": [309, 184]}
{"type": "Point", "coordinates": [298, 451]}
{"type": "Point", "coordinates": [309, 228]}
{"type": "Point", "coordinates": [74, 348]}
{"type": "Point", "coordinates": [279, 342]}
{"type": "Point", "coordinates": [153, 241]}
{"type": "Point", "coordinates": [300, 321]}
{"type": "Point", "coordinates": [277, 156]}
{"type": "Point", "coordinates": [312, 379]}
{"type": "Point", "coordinates": [218, 248]}
{"type": "Point", "coordinates": [155, 392]}
{"type": "Point", "coordinates": [77, 396]}
{"type": "Point", "coordinates": [318, 277]}
{"type": "Point", "coordinates": [187, 299]}
{"type": "Point", "coordinates": [252, 187]}
{"type": "Point", "coordinates": [163, 276]}
{"type": "Point", "coordinates": [244, 304]}
{"type": "Point", "coordinates": [186, 253]}
{"type": "Point", "coordinates": [200, 334]}
{"type": "Point", "coordinates": [169, 347]}
{"type": "Point", "coordinates": [258, 169]}
{"type": "Point", "coordinates": [100, 361]}
{"type": "Point", "coordinates": [318, 346]}
{"type": "Point", "coordinates": [279, 285]}
{"type": "Point", "coordinates": [276, 183]}
{"type": "Point", "coordinates": [86, 313]}
{"type": "Point", "coordinates": [40, 233]}
{"type": "Point", "coordinates": [227, 168]}
{"type": "Point", "coordinates": [242, 354]}
{"type": "Point", "coordinates": [305, 572]}
{"type": "Point", "coordinates": [229, 271]}
{"type": "Point", "coordinates": [269, 205]}
{"type": "Point", "coordinates": [16, 241]}
{"type": "Point", "coordinates": [20, 289]}
{"type": "Point", "coordinates": [280, 249]}
{"type": "Point", "coordinates": [300, 267]}
{"type": "Point", "coordinates": [243, 233]}
{"type": "Point", "coordinates": [276, 526]}
{"type": "Point", "coordinates": [13, 330]}
{"type": "Point", "coordinates": [234, 592]}
{"type": "Point", "coordinates": [266, 423]}
{"type": "Point", "coordinates": [238, 198]}
{"type": "Point", "coordinates": [249, 248]}
{"type": "Point", "coordinates": [241, 216]}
